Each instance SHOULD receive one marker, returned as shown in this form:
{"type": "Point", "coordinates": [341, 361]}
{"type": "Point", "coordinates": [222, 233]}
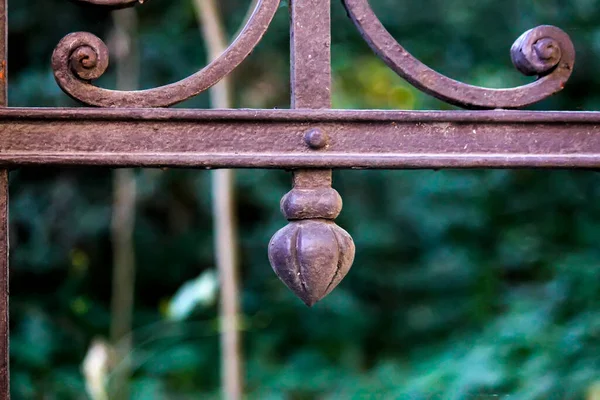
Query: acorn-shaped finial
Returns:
{"type": "Point", "coordinates": [311, 255]}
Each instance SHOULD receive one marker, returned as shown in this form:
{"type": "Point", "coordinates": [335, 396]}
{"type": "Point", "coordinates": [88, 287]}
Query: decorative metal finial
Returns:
{"type": "Point", "coordinates": [311, 255]}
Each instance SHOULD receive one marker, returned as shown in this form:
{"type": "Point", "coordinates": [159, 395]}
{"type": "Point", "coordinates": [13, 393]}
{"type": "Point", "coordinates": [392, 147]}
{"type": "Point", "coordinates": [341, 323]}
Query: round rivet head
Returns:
{"type": "Point", "coordinates": [316, 139]}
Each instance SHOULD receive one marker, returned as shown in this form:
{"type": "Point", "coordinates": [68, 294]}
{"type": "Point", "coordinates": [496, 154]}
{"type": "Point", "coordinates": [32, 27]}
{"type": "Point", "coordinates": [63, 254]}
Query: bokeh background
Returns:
{"type": "Point", "coordinates": [466, 284]}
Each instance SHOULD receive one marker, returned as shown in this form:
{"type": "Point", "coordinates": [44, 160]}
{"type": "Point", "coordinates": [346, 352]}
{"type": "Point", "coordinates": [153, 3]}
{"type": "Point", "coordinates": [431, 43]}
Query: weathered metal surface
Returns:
{"type": "Point", "coordinates": [82, 57]}
{"type": "Point", "coordinates": [545, 51]}
{"type": "Point", "coordinates": [3, 53]}
{"type": "Point", "coordinates": [4, 273]}
{"type": "Point", "coordinates": [310, 52]}
{"type": "Point", "coordinates": [4, 237]}
{"type": "Point", "coordinates": [311, 255]}
{"type": "Point", "coordinates": [276, 138]}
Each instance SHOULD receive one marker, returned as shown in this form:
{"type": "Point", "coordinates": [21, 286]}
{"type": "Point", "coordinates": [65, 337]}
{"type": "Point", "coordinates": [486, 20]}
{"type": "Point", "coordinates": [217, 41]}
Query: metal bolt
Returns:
{"type": "Point", "coordinates": [316, 139]}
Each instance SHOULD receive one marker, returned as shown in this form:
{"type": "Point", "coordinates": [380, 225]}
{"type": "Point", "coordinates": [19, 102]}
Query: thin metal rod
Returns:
{"type": "Point", "coordinates": [3, 53]}
{"type": "Point", "coordinates": [4, 234]}
{"type": "Point", "coordinates": [4, 314]}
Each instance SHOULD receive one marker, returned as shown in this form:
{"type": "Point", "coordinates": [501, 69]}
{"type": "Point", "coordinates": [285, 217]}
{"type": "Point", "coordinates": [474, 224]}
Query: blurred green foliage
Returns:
{"type": "Point", "coordinates": [466, 285]}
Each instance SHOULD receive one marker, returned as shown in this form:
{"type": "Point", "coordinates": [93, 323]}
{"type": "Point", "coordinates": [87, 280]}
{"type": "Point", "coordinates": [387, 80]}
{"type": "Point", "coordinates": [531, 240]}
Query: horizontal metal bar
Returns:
{"type": "Point", "coordinates": [276, 138]}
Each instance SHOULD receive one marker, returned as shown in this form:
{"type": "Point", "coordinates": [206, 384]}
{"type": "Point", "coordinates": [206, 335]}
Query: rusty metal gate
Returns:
{"type": "Point", "coordinates": [311, 254]}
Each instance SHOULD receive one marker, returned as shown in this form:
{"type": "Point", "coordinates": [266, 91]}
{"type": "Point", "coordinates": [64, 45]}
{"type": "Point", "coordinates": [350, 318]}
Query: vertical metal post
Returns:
{"type": "Point", "coordinates": [311, 64]}
{"type": "Point", "coordinates": [4, 353]}
{"type": "Point", "coordinates": [311, 53]}
{"type": "Point", "coordinates": [311, 255]}
{"type": "Point", "coordinates": [4, 315]}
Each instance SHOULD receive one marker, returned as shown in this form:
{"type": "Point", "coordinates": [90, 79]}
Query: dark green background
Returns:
{"type": "Point", "coordinates": [466, 283]}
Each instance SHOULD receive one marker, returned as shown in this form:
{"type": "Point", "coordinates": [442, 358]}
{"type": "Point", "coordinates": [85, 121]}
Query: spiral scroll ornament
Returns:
{"type": "Point", "coordinates": [546, 52]}
{"type": "Point", "coordinates": [82, 57]}
{"type": "Point", "coordinates": [539, 51]}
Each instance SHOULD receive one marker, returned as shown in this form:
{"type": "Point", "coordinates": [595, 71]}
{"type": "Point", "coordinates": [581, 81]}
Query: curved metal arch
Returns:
{"type": "Point", "coordinates": [545, 51]}
{"type": "Point", "coordinates": [81, 57]}
{"type": "Point", "coordinates": [112, 3]}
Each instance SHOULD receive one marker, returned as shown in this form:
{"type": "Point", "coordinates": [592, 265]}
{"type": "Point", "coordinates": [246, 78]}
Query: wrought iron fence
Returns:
{"type": "Point", "coordinates": [311, 255]}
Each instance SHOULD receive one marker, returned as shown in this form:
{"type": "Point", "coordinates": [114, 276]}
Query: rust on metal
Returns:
{"type": "Point", "coordinates": [4, 237]}
{"type": "Point", "coordinates": [311, 255]}
{"type": "Point", "coordinates": [2, 71]}
{"type": "Point", "coordinates": [4, 273]}
{"type": "Point", "coordinates": [316, 139]}
{"type": "Point", "coordinates": [81, 57]}
{"type": "Point", "coordinates": [545, 51]}
{"type": "Point", "coordinates": [276, 138]}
